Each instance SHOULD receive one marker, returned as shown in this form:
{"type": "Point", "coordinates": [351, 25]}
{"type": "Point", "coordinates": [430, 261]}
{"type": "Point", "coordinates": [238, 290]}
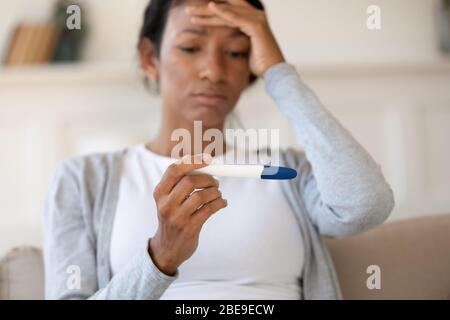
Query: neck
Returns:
{"type": "Point", "coordinates": [163, 145]}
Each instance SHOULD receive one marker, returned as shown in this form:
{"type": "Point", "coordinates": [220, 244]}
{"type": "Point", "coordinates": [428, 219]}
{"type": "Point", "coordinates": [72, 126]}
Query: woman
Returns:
{"type": "Point", "coordinates": [106, 238]}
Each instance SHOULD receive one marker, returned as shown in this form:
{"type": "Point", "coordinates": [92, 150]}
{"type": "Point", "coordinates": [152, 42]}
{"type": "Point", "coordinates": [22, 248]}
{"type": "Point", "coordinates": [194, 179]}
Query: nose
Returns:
{"type": "Point", "coordinates": [212, 67]}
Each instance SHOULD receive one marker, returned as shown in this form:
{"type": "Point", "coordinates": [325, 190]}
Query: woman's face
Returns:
{"type": "Point", "coordinates": [202, 70]}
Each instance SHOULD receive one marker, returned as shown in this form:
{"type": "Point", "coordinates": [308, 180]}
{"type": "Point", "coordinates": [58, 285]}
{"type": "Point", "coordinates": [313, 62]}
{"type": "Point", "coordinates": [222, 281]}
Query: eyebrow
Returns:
{"type": "Point", "coordinates": [203, 32]}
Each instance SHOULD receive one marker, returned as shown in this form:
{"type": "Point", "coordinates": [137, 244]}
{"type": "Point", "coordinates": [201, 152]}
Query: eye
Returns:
{"type": "Point", "coordinates": [188, 49]}
{"type": "Point", "coordinates": [238, 54]}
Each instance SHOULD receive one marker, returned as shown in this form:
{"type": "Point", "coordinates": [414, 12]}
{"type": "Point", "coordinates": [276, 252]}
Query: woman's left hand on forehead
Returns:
{"type": "Point", "coordinates": [265, 51]}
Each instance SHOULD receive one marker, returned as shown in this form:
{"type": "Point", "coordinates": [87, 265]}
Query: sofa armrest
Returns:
{"type": "Point", "coordinates": [22, 274]}
{"type": "Point", "coordinates": [413, 256]}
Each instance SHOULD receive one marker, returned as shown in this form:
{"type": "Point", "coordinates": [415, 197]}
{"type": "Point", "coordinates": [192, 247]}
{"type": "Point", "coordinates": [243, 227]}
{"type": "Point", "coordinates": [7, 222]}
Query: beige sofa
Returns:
{"type": "Point", "coordinates": [413, 256]}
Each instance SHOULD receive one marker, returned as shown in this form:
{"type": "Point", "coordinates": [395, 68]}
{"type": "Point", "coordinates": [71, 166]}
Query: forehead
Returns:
{"type": "Point", "coordinates": [179, 24]}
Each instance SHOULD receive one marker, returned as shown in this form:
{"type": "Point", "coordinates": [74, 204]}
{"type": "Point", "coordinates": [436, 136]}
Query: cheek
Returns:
{"type": "Point", "coordinates": [239, 75]}
{"type": "Point", "coordinates": [176, 74]}
{"type": "Point", "coordinates": [238, 69]}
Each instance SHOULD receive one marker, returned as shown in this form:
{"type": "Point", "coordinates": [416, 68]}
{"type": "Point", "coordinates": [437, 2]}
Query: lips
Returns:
{"type": "Point", "coordinates": [210, 99]}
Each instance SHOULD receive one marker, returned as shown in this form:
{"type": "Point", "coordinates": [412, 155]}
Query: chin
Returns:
{"type": "Point", "coordinates": [209, 116]}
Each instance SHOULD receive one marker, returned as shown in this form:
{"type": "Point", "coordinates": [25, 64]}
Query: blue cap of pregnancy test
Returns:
{"type": "Point", "coordinates": [278, 173]}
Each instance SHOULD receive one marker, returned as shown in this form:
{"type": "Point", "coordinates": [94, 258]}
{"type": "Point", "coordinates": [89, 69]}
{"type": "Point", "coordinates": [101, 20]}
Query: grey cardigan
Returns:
{"type": "Point", "coordinates": [339, 191]}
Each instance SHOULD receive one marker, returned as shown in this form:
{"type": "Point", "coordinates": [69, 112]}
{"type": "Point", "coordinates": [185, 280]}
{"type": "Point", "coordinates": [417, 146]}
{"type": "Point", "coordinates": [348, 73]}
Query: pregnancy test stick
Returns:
{"type": "Point", "coordinates": [265, 172]}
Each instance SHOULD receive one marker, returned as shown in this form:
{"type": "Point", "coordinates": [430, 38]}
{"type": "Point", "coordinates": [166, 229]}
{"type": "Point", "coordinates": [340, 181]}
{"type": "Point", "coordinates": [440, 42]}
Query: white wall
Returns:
{"type": "Point", "coordinates": [389, 87]}
{"type": "Point", "coordinates": [311, 32]}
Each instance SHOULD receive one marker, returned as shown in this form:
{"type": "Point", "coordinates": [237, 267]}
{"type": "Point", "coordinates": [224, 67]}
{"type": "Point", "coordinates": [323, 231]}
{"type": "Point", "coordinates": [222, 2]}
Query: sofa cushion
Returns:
{"type": "Point", "coordinates": [22, 274]}
{"type": "Point", "coordinates": [413, 256]}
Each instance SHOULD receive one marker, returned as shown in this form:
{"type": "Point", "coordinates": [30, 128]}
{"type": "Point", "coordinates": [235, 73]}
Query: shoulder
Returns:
{"type": "Point", "coordinates": [80, 186]}
{"type": "Point", "coordinates": [93, 163]}
{"type": "Point", "coordinates": [90, 171]}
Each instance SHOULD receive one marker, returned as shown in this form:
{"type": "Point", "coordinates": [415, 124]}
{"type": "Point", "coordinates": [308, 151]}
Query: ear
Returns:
{"type": "Point", "coordinates": [149, 62]}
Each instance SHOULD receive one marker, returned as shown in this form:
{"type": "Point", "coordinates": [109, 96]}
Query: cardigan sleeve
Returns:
{"type": "Point", "coordinates": [343, 188]}
{"type": "Point", "coordinates": [69, 250]}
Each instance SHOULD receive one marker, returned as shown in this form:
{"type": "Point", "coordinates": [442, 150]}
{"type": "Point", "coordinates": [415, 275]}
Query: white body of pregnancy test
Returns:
{"type": "Point", "coordinates": [265, 172]}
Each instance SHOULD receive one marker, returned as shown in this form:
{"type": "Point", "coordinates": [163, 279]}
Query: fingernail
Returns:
{"type": "Point", "coordinates": [217, 182]}
{"type": "Point", "coordinates": [226, 202]}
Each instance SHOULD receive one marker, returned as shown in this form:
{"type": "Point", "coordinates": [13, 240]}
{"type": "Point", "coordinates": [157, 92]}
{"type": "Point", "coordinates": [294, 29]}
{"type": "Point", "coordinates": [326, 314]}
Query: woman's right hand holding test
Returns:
{"type": "Point", "coordinates": [182, 211]}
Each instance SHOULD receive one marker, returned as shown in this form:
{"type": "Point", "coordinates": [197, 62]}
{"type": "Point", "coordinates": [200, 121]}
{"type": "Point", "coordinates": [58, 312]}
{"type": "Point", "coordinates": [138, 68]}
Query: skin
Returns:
{"type": "Point", "coordinates": [212, 49]}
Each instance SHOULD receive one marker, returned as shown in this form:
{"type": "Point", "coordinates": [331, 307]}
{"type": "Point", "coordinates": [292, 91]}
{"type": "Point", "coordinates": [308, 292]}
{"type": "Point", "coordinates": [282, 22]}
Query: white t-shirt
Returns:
{"type": "Point", "coordinates": [252, 249]}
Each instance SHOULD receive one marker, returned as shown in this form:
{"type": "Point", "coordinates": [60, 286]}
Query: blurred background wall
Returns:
{"type": "Point", "coordinates": [389, 87]}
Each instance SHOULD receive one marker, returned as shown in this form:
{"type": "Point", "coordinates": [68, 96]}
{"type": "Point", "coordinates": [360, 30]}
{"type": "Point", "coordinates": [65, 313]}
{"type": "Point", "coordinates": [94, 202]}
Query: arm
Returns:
{"type": "Point", "coordinates": [342, 187]}
{"type": "Point", "coordinates": [70, 241]}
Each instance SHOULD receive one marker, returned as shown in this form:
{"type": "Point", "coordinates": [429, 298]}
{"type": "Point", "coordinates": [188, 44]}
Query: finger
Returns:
{"type": "Point", "coordinates": [188, 184]}
{"type": "Point", "coordinates": [226, 12]}
{"type": "Point", "coordinates": [238, 2]}
{"type": "Point", "coordinates": [178, 169]}
{"type": "Point", "coordinates": [203, 11]}
{"type": "Point", "coordinates": [211, 22]}
{"type": "Point", "coordinates": [199, 199]}
{"type": "Point", "coordinates": [211, 10]}
{"type": "Point", "coordinates": [203, 214]}
{"type": "Point", "coordinates": [243, 3]}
